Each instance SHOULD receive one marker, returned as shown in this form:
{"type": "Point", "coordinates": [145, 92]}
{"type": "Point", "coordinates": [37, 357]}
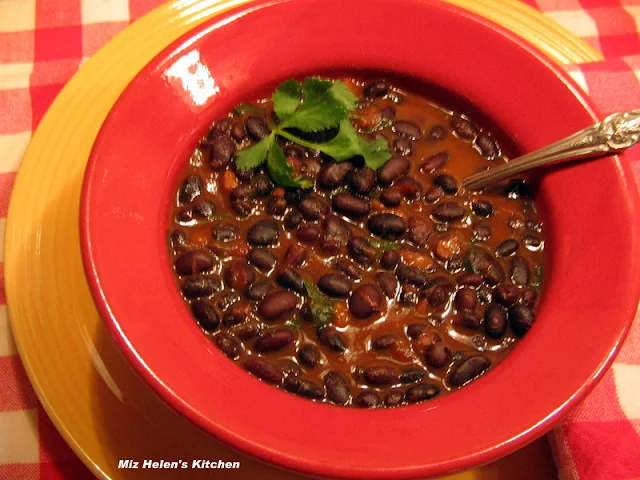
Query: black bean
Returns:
{"type": "Point", "coordinates": [411, 275]}
{"type": "Point", "coordinates": [273, 340]}
{"type": "Point", "coordinates": [403, 146]}
{"type": "Point", "coordinates": [393, 169]}
{"type": "Point", "coordinates": [480, 259]}
{"type": "Point", "coordinates": [246, 331]}
{"type": "Point", "coordinates": [225, 232]}
{"type": "Point", "coordinates": [334, 175]}
{"type": "Point", "coordinates": [194, 262]}
{"type": "Point", "coordinates": [471, 320]}
{"type": "Point", "coordinates": [387, 225]}
{"type": "Point", "coordinates": [351, 205]}
{"type": "Point", "coordinates": [388, 283]}
{"type": "Point", "coordinates": [394, 398]}
{"type": "Point", "coordinates": [349, 268]}
{"type": "Point", "coordinates": [448, 211]}
{"type": "Point", "coordinates": [239, 274]}
{"type": "Point", "coordinates": [434, 162]}
{"type": "Point", "coordinates": [335, 285]}
{"type": "Point", "coordinates": [438, 355]}
{"type": "Point", "coordinates": [264, 232]}
{"type": "Point", "coordinates": [335, 235]}
{"type": "Point", "coordinates": [416, 330]}
{"type": "Point", "coordinates": [469, 369]}
{"type": "Point", "coordinates": [471, 279]}
{"type": "Point", "coordinates": [191, 188]}
{"type": "Point", "coordinates": [531, 241]}
{"type": "Point", "coordinates": [258, 290]}
{"type": "Point", "coordinates": [528, 296]}
{"type": "Point", "coordinates": [238, 130]}
{"type": "Point", "coordinates": [204, 208]}
{"type": "Point", "coordinates": [242, 207]}
{"type": "Point", "coordinates": [294, 195]}
{"type": "Point", "coordinates": [276, 206]}
{"type": "Point", "coordinates": [408, 187]}
{"type": "Point", "coordinates": [412, 375]}
{"type": "Point", "coordinates": [408, 296]}
{"type": "Point", "coordinates": [507, 247]}
{"type": "Point", "coordinates": [521, 318]}
{"type": "Point", "coordinates": [487, 146]}
{"type": "Point", "coordinates": [363, 180]}
{"type": "Point", "coordinates": [436, 133]}
{"type": "Point", "coordinates": [381, 375]}
{"type": "Point", "coordinates": [292, 220]}
{"type": "Point", "coordinates": [291, 279]}
{"type": "Point", "coordinates": [243, 175]}
{"type": "Point", "coordinates": [264, 370]}
{"type": "Point", "coordinates": [437, 297]}
{"type": "Point", "coordinates": [419, 231]}
{"type": "Point", "coordinates": [313, 207]}
{"type": "Point", "coordinates": [206, 315]}
{"type": "Point", "coordinates": [262, 258]}
{"type": "Point", "coordinates": [309, 355]}
{"type": "Point", "coordinates": [236, 313]}
{"type": "Point", "coordinates": [466, 299]}
{"type": "Point", "coordinates": [221, 127]}
{"type": "Point", "coordinates": [178, 238]}
{"type": "Point", "coordinates": [482, 208]}
{"type": "Point", "coordinates": [308, 233]}
{"type": "Point", "coordinates": [481, 231]}
{"type": "Point", "coordinates": [519, 271]}
{"type": "Point", "coordinates": [389, 259]}
{"type": "Point", "coordinates": [222, 149]}
{"type": "Point", "coordinates": [229, 345]}
{"type": "Point", "coordinates": [277, 304]}
{"type": "Point", "coordinates": [391, 197]}
{"type": "Point", "coordinates": [290, 368]}
{"type": "Point", "coordinates": [241, 192]}
{"type": "Point", "coordinates": [332, 338]}
{"type": "Point", "coordinates": [261, 186]}
{"type": "Point", "coordinates": [463, 128]}
{"type": "Point", "coordinates": [407, 129]}
{"type": "Point", "coordinates": [495, 321]}
{"type": "Point", "coordinates": [361, 251]}
{"type": "Point", "coordinates": [433, 194]}
{"type": "Point", "coordinates": [257, 127]}
{"type": "Point", "coordinates": [484, 294]}
{"type": "Point", "coordinates": [506, 294]}
{"type": "Point", "coordinates": [383, 342]}
{"type": "Point", "coordinates": [365, 301]}
{"type": "Point", "coordinates": [421, 392]}
{"type": "Point", "coordinates": [376, 89]}
{"type": "Point", "coordinates": [304, 388]}
{"type": "Point", "coordinates": [337, 388]}
{"type": "Point", "coordinates": [295, 255]}
{"type": "Point", "coordinates": [367, 399]}
{"type": "Point", "coordinates": [223, 300]}
{"type": "Point", "coordinates": [447, 183]}
{"type": "Point", "coordinates": [294, 151]}
{"type": "Point", "coordinates": [196, 287]}
{"type": "Point", "coordinates": [517, 188]}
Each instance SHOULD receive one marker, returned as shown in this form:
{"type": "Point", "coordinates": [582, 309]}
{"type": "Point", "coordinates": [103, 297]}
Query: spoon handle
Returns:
{"type": "Point", "coordinates": [617, 132]}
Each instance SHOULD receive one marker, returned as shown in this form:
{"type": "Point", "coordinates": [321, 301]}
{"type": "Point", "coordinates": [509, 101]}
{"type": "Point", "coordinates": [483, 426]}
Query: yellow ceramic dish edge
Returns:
{"type": "Point", "coordinates": [53, 319]}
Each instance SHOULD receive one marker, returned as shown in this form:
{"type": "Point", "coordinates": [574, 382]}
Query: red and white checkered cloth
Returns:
{"type": "Point", "coordinates": [42, 44]}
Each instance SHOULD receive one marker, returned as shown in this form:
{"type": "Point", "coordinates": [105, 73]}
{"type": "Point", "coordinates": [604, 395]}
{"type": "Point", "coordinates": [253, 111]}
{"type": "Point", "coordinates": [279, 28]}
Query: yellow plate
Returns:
{"type": "Point", "coordinates": [102, 409]}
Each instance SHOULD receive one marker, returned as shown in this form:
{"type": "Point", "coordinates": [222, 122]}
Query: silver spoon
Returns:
{"type": "Point", "coordinates": [615, 133]}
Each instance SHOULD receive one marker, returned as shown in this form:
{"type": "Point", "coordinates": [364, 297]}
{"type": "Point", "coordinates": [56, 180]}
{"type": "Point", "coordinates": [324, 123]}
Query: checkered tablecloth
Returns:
{"type": "Point", "coordinates": [42, 44]}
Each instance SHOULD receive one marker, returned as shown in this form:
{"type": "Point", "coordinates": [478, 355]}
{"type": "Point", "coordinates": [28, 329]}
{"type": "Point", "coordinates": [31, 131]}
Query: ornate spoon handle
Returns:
{"type": "Point", "coordinates": [617, 132]}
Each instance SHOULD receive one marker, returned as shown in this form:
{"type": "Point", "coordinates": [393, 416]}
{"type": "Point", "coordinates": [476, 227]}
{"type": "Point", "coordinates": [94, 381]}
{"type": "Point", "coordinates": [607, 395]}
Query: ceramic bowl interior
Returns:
{"type": "Point", "coordinates": [590, 214]}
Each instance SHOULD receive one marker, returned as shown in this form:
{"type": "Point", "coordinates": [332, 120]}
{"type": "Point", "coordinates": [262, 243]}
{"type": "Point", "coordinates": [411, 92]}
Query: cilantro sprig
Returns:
{"type": "Point", "coordinates": [313, 106]}
{"type": "Point", "coordinates": [322, 308]}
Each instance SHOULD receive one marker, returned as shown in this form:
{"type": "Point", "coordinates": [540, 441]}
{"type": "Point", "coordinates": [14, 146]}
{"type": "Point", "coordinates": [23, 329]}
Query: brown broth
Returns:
{"type": "Point", "coordinates": [514, 217]}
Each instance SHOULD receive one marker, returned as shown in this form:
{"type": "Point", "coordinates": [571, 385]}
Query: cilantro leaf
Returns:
{"type": "Point", "coordinates": [292, 324]}
{"type": "Point", "coordinates": [253, 156]}
{"type": "Point", "coordinates": [322, 309]}
{"type": "Point", "coordinates": [286, 99]}
{"type": "Point", "coordinates": [281, 170]}
{"type": "Point", "coordinates": [536, 278]}
{"type": "Point", "coordinates": [320, 110]}
{"type": "Point", "coordinates": [344, 95]}
{"type": "Point", "coordinates": [245, 108]}
{"type": "Point", "coordinates": [382, 245]}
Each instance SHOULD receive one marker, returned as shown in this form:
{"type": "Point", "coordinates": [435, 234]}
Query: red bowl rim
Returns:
{"type": "Point", "coordinates": [91, 223]}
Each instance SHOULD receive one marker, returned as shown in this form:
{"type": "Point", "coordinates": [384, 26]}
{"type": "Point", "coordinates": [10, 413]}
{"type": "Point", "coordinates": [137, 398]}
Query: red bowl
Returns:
{"type": "Point", "coordinates": [590, 210]}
